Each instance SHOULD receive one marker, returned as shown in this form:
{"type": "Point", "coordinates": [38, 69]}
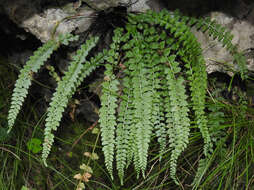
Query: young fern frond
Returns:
{"type": "Point", "coordinates": [65, 89]}
{"type": "Point", "coordinates": [26, 74]}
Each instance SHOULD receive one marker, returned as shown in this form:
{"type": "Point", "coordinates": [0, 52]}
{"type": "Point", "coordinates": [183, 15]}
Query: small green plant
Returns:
{"type": "Point", "coordinates": [155, 84]}
{"type": "Point", "coordinates": [26, 188]}
{"type": "Point", "coordinates": [34, 145]}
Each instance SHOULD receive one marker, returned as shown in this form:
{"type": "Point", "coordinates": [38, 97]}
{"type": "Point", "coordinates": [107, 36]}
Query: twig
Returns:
{"type": "Point", "coordinates": [10, 152]}
{"type": "Point", "coordinates": [89, 129]}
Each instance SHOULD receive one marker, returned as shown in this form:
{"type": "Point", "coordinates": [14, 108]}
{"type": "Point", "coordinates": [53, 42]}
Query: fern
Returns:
{"type": "Point", "coordinates": [155, 83]}
{"type": "Point", "coordinates": [26, 74]}
{"type": "Point", "coordinates": [65, 89]}
{"type": "Point", "coordinates": [123, 132]}
{"type": "Point", "coordinates": [179, 113]}
{"type": "Point", "coordinates": [124, 135]}
{"type": "Point", "coordinates": [126, 125]}
{"type": "Point", "coordinates": [109, 104]}
{"type": "Point", "coordinates": [192, 55]}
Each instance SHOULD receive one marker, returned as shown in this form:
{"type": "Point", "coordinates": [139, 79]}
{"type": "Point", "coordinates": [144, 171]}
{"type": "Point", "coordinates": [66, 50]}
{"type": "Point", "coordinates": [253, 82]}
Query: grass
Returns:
{"type": "Point", "coordinates": [231, 165]}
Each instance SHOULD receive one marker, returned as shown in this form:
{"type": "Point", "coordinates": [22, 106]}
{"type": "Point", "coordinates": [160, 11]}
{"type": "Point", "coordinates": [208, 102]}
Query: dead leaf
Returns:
{"type": "Point", "coordinates": [86, 177]}
{"type": "Point", "coordinates": [78, 176]}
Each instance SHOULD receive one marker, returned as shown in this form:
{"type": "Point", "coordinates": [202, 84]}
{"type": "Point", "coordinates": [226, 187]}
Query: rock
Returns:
{"type": "Point", "coordinates": [217, 57]}
{"type": "Point", "coordinates": [133, 5]}
{"type": "Point", "coordinates": [101, 5]}
{"type": "Point", "coordinates": [44, 21]}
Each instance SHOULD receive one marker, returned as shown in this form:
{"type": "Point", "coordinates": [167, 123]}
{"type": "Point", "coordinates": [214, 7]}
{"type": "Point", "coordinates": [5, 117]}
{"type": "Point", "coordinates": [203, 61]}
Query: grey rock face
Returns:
{"type": "Point", "coordinates": [58, 20]}
{"type": "Point", "coordinates": [217, 57]}
{"type": "Point", "coordinates": [52, 20]}
{"type": "Point", "coordinates": [43, 23]}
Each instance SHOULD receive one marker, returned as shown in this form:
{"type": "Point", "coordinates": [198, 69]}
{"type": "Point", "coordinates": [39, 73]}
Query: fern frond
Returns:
{"type": "Point", "coordinates": [220, 33]}
{"type": "Point", "coordinates": [155, 43]}
{"type": "Point", "coordinates": [126, 145]}
{"type": "Point", "coordinates": [123, 132]}
{"type": "Point", "coordinates": [107, 116]}
{"type": "Point", "coordinates": [198, 85]}
{"type": "Point", "coordinates": [143, 101]}
{"type": "Point", "coordinates": [179, 110]}
{"type": "Point", "coordinates": [202, 167]}
{"type": "Point", "coordinates": [65, 89]}
{"type": "Point", "coordinates": [143, 108]}
{"type": "Point", "coordinates": [107, 111]}
{"type": "Point", "coordinates": [124, 136]}
{"type": "Point", "coordinates": [25, 77]}
{"type": "Point", "coordinates": [191, 53]}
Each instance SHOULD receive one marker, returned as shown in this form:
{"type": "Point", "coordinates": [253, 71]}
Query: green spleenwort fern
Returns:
{"type": "Point", "coordinates": [32, 66]}
{"type": "Point", "coordinates": [155, 83]}
{"type": "Point", "coordinates": [76, 72]}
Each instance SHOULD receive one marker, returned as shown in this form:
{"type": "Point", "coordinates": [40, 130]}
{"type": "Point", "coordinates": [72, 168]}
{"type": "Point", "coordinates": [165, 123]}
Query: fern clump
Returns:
{"type": "Point", "coordinates": [154, 83]}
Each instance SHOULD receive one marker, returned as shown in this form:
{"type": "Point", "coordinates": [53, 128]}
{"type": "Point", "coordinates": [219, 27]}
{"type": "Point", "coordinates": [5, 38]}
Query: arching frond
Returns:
{"type": "Point", "coordinates": [65, 89]}
{"type": "Point", "coordinates": [26, 74]}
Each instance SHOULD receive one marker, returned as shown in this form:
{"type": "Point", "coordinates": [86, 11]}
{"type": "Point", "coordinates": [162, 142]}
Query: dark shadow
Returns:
{"type": "Point", "coordinates": [202, 7]}
{"type": "Point", "coordinates": [20, 10]}
{"type": "Point", "coordinates": [15, 39]}
{"type": "Point", "coordinates": [26, 8]}
{"type": "Point", "coordinates": [226, 83]}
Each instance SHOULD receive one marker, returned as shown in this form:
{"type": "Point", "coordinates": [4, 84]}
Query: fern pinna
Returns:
{"type": "Point", "coordinates": [154, 85]}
